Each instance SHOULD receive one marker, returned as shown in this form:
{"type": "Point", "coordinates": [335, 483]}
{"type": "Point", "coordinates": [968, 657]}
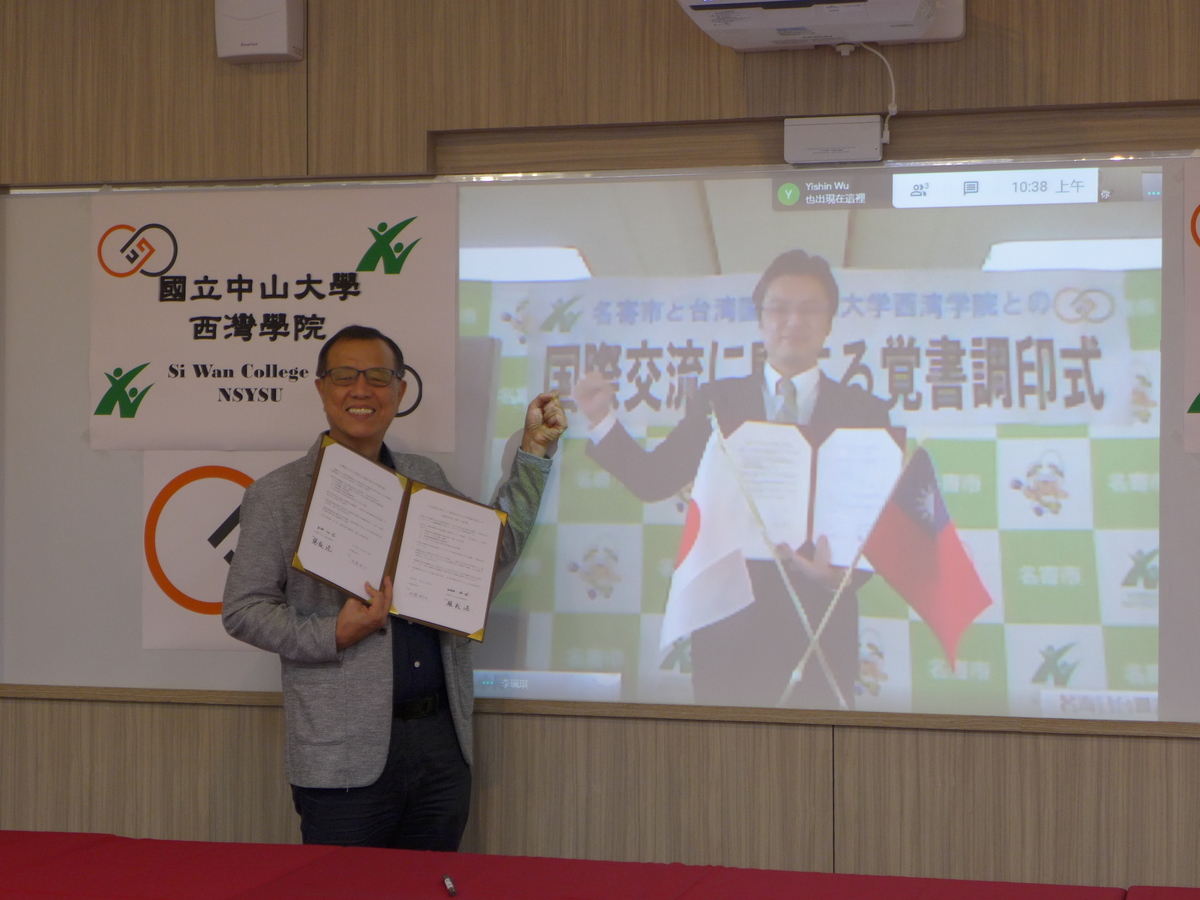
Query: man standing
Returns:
{"type": "Point", "coordinates": [378, 709]}
{"type": "Point", "coordinates": [748, 658]}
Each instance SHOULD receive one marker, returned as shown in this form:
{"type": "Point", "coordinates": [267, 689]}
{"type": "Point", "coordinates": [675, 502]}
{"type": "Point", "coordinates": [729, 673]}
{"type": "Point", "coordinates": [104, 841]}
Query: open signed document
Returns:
{"type": "Point", "coordinates": [363, 521]}
{"type": "Point", "coordinates": [801, 492]}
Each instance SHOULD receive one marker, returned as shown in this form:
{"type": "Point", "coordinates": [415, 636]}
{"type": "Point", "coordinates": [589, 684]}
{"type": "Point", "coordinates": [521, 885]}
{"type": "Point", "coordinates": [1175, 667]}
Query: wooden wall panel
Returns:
{"type": "Point", "coordinates": [724, 793]}
{"type": "Point", "coordinates": [1069, 809]}
{"type": "Point", "coordinates": [386, 73]}
{"type": "Point", "coordinates": [132, 91]}
{"type": "Point", "coordinates": [760, 141]}
{"type": "Point", "coordinates": [556, 64]}
{"type": "Point", "coordinates": [560, 62]}
{"type": "Point", "coordinates": [163, 770]}
{"type": "Point", "coordinates": [584, 149]}
{"type": "Point", "coordinates": [377, 75]}
{"type": "Point", "coordinates": [1065, 132]}
{"type": "Point", "coordinates": [1100, 808]}
{"type": "Point", "coordinates": [1016, 53]}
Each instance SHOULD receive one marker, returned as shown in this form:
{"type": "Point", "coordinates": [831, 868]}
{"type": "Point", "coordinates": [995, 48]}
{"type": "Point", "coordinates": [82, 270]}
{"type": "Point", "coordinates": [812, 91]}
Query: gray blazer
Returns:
{"type": "Point", "coordinates": [338, 705]}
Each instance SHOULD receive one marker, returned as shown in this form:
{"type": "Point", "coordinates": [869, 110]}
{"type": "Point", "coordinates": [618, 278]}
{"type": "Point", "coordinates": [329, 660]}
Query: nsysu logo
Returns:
{"type": "Point", "coordinates": [124, 250]}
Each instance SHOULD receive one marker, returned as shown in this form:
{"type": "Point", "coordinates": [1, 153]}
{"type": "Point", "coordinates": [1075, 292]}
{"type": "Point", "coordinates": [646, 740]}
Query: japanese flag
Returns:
{"type": "Point", "coordinates": [710, 580]}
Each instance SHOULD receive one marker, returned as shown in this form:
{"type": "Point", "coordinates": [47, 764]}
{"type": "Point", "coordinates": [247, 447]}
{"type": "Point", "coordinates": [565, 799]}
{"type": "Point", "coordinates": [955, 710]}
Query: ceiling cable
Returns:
{"type": "Point", "coordinates": [891, 110]}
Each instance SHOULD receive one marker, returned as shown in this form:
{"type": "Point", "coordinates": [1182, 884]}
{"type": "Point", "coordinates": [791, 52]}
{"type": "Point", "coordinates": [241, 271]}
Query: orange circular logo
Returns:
{"type": "Point", "coordinates": [204, 607]}
{"type": "Point", "coordinates": [129, 252]}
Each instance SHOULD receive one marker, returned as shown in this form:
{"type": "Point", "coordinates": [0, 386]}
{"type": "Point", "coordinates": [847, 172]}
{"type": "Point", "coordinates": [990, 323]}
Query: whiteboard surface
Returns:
{"type": "Point", "coordinates": [71, 605]}
{"type": "Point", "coordinates": [70, 611]}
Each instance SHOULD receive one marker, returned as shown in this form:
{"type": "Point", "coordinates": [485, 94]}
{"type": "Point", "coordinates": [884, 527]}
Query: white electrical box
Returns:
{"type": "Point", "coordinates": [832, 139]}
{"type": "Point", "coordinates": [250, 31]}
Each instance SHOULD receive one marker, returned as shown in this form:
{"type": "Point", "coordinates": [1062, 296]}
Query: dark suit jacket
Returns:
{"type": "Point", "coordinates": [747, 659]}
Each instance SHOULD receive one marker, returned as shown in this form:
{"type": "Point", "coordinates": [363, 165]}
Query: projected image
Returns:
{"type": "Point", "coordinates": [867, 449]}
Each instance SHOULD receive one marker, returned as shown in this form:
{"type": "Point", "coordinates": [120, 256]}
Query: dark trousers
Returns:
{"type": "Point", "coordinates": [420, 802]}
{"type": "Point", "coordinates": [747, 659]}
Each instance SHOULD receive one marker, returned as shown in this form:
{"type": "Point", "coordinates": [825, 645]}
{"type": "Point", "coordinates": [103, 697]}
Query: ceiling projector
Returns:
{"type": "Point", "coordinates": [804, 24]}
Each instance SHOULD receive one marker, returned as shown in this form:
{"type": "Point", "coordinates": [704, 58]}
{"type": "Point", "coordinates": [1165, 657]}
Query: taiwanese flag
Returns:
{"type": "Point", "coordinates": [916, 548]}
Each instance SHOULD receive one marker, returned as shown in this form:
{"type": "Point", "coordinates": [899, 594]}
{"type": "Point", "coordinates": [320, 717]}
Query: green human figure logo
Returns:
{"type": "Point", "coordinates": [1054, 669]}
{"type": "Point", "coordinates": [680, 657]}
{"type": "Point", "coordinates": [1144, 571]}
{"type": "Point", "coordinates": [382, 250]}
{"type": "Point", "coordinates": [121, 395]}
{"type": "Point", "coordinates": [561, 317]}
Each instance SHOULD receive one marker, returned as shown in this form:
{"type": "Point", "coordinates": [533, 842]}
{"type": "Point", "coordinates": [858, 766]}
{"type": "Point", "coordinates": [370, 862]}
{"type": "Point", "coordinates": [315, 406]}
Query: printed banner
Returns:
{"type": "Point", "coordinates": [1191, 291]}
{"type": "Point", "coordinates": [946, 349]}
{"type": "Point", "coordinates": [191, 506]}
{"type": "Point", "coordinates": [208, 309]}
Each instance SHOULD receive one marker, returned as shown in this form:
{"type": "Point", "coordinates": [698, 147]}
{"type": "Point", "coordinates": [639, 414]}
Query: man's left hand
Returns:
{"type": "Point", "coordinates": [545, 421]}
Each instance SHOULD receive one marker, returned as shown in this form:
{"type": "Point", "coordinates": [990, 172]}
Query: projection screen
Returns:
{"type": "Point", "coordinates": [1000, 323]}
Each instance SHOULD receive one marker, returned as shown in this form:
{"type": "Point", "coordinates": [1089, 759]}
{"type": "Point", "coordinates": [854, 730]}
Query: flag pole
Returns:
{"type": "Point", "coordinates": [813, 644]}
{"type": "Point", "coordinates": [783, 574]}
{"type": "Point", "coordinates": [798, 673]}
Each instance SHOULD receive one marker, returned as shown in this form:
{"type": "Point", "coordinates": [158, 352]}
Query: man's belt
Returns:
{"type": "Point", "coordinates": [419, 708]}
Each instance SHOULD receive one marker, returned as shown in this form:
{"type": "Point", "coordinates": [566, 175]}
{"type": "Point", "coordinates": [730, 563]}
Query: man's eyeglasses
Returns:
{"type": "Point", "coordinates": [779, 312]}
{"type": "Point", "coordinates": [343, 376]}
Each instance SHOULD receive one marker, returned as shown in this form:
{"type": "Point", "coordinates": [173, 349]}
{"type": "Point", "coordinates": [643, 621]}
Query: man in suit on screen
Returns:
{"type": "Point", "coordinates": [747, 658]}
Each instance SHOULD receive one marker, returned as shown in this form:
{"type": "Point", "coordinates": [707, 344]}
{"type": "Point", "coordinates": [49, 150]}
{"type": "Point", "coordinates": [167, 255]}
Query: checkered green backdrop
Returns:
{"type": "Point", "coordinates": [1061, 521]}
